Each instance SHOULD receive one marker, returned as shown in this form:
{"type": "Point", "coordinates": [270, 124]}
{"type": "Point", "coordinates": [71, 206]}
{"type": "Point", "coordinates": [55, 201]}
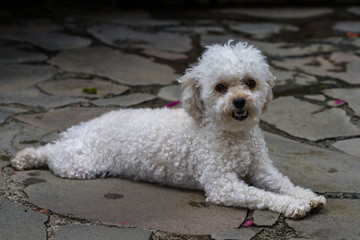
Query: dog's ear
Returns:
{"type": "Point", "coordinates": [190, 99]}
{"type": "Point", "coordinates": [270, 82]}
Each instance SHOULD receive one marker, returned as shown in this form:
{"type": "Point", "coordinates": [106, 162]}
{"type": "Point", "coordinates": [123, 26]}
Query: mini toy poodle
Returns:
{"type": "Point", "coordinates": [213, 143]}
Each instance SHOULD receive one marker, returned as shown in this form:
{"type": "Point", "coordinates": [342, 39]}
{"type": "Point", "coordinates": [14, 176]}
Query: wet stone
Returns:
{"type": "Point", "coordinates": [75, 88]}
{"type": "Point", "coordinates": [236, 234]}
{"type": "Point", "coordinates": [33, 97]}
{"type": "Point", "coordinates": [119, 36]}
{"type": "Point", "coordinates": [278, 13]}
{"type": "Point", "coordinates": [309, 125]}
{"type": "Point", "coordinates": [20, 222]}
{"type": "Point", "coordinates": [350, 95]}
{"type": "Point", "coordinates": [350, 146]}
{"type": "Point", "coordinates": [312, 167]}
{"type": "Point", "coordinates": [339, 65]}
{"type": "Point", "coordinates": [262, 30]}
{"type": "Point", "coordinates": [143, 205]}
{"type": "Point", "coordinates": [18, 76]}
{"type": "Point", "coordinates": [61, 119]}
{"type": "Point", "coordinates": [12, 55]}
{"type": "Point", "coordinates": [265, 218]}
{"type": "Point", "coordinates": [123, 68]}
{"type": "Point", "coordinates": [93, 232]}
{"type": "Point", "coordinates": [350, 26]}
{"type": "Point", "coordinates": [44, 35]}
{"type": "Point", "coordinates": [338, 214]}
{"type": "Point", "coordinates": [125, 101]}
{"type": "Point", "coordinates": [170, 93]}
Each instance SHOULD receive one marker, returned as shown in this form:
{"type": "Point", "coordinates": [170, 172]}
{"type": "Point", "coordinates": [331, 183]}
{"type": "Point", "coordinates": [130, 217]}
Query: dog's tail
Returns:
{"type": "Point", "coordinates": [31, 158]}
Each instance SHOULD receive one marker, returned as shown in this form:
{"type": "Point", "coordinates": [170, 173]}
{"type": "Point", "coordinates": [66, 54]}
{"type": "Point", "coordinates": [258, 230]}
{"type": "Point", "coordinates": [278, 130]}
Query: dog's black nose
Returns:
{"type": "Point", "coordinates": [239, 102]}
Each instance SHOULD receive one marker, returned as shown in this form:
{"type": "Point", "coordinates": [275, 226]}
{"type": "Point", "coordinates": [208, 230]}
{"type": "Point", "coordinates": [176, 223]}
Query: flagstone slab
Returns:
{"type": "Point", "coordinates": [28, 136]}
{"type": "Point", "coordinates": [31, 96]}
{"type": "Point", "coordinates": [119, 36]}
{"type": "Point", "coordinates": [11, 55]}
{"type": "Point", "coordinates": [340, 65]}
{"type": "Point", "coordinates": [350, 95]}
{"type": "Point", "coordinates": [6, 112]}
{"type": "Point", "coordinates": [289, 80]}
{"type": "Point", "coordinates": [18, 76]}
{"type": "Point", "coordinates": [354, 10]}
{"type": "Point", "coordinates": [262, 30]}
{"type": "Point", "coordinates": [338, 220]}
{"type": "Point", "coordinates": [7, 133]}
{"type": "Point", "coordinates": [236, 234]}
{"type": "Point", "coordinates": [350, 146]}
{"type": "Point", "coordinates": [279, 13]}
{"type": "Point", "coordinates": [18, 222]}
{"type": "Point", "coordinates": [61, 119]}
{"type": "Point", "coordinates": [170, 93]}
{"type": "Point", "coordinates": [115, 201]}
{"type": "Point", "coordinates": [124, 68]}
{"type": "Point", "coordinates": [265, 217]}
{"type": "Point", "coordinates": [319, 169]}
{"type": "Point", "coordinates": [125, 101]}
{"type": "Point", "coordinates": [93, 232]}
{"type": "Point", "coordinates": [279, 49]}
{"type": "Point", "coordinates": [164, 54]}
{"type": "Point", "coordinates": [75, 87]}
{"type": "Point", "coordinates": [348, 26]}
{"type": "Point", "coordinates": [300, 121]}
{"type": "Point", "coordinates": [44, 35]}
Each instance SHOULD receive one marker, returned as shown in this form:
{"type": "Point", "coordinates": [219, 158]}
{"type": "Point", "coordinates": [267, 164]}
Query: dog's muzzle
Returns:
{"type": "Point", "coordinates": [240, 112]}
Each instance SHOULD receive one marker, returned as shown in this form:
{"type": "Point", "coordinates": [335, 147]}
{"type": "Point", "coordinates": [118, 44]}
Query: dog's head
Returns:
{"type": "Point", "coordinates": [230, 86]}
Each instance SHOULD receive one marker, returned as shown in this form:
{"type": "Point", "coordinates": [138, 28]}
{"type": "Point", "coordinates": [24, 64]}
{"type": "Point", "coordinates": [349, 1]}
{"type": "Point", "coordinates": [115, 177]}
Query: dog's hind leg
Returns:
{"type": "Point", "coordinates": [31, 158]}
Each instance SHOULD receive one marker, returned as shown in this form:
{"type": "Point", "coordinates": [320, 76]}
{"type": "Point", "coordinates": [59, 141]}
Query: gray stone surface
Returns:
{"type": "Point", "coordinates": [18, 76]}
{"type": "Point", "coordinates": [329, 67]}
{"type": "Point", "coordinates": [265, 218]}
{"type": "Point", "coordinates": [170, 93]}
{"type": "Point", "coordinates": [31, 96]}
{"type": "Point", "coordinates": [61, 119]}
{"type": "Point", "coordinates": [317, 97]}
{"type": "Point", "coordinates": [91, 232]}
{"type": "Point", "coordinates": [119, 36]}
{"type": "Point", "coordinates": [17, 222]}
{"type": "Point", "coordinates": [74, 87]}
{"type": "Point", "coordinates": [28, 136]}
{"type": "Point", "coordinates": [288, 79]}
{"type": "Point", "coordinates": [354, 10]}
{"type": "Point", "coordinates": [43, 35]}
{"type": "Point", "coordinates": [312, 167]}
{"type": "Point", "coordinates": [6, 112]}
{"type": "Point", "coordinates": [278, 13]}
{"type": "Point", "coordinates": [7, 133]}
{"type": "Point", "coordinates": [164, 54]}
{"type": "Point", "coordinates": [236, 234]}
{"type": "Point", "coordinates": [137, 204]}
{"type": "Point", "coordinates": [338, 220]}
{"type": "Point", "coordinates": [351, 96]}
{"type": "Point", "coordinates": [123, 68]}
{"type": "Point", "coordinates": [300, 121]}
{"type": "Point", "coordinates": [262, 30]}
{"type": "Point", "coordinates": [278, 49]}
{"type": "Point", "coordinates": [125, 101]}
{"type": "Point", "coordinates": [351, 146]}
{"type": "Point", "coordinates": [12, 55]}
{"type": "Point", "coordinates": [349, 26]}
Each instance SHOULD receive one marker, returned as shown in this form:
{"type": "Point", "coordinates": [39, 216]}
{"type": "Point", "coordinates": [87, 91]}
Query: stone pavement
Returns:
{"type": "Point", "coordinates": [58, 71]}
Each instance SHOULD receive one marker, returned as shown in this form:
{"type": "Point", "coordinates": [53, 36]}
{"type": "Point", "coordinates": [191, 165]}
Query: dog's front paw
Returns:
{"type": "Point", "coordinates": [298, 209]}
{"type": "Point", "coordinates": [317, 202]}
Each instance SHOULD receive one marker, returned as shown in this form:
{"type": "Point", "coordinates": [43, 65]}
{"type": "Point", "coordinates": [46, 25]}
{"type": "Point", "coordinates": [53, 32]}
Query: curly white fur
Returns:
{"type": "Point", "coordinates": [211, 144]}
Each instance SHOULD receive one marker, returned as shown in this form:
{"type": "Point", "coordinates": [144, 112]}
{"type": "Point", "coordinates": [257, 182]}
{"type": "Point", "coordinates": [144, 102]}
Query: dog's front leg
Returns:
{"type": "Point", "coordinates": [226, 189]}
{"type": "Point", "coordinates": [264, 175]}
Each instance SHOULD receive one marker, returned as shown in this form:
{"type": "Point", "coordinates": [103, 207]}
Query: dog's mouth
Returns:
{"type": "Point", "coordinates": [240, 114]}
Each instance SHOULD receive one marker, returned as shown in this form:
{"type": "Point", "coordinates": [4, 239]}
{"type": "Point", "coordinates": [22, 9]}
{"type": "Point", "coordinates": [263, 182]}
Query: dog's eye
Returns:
{"type": "Point", "coordinates": [251, 83]}
{"type": "Point", "coordinates": [221, 88]}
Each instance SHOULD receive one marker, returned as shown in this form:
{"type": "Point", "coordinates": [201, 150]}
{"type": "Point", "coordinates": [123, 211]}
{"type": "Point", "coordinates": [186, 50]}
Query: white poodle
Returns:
{"type": "Point", "coordinates": [213, 143]}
